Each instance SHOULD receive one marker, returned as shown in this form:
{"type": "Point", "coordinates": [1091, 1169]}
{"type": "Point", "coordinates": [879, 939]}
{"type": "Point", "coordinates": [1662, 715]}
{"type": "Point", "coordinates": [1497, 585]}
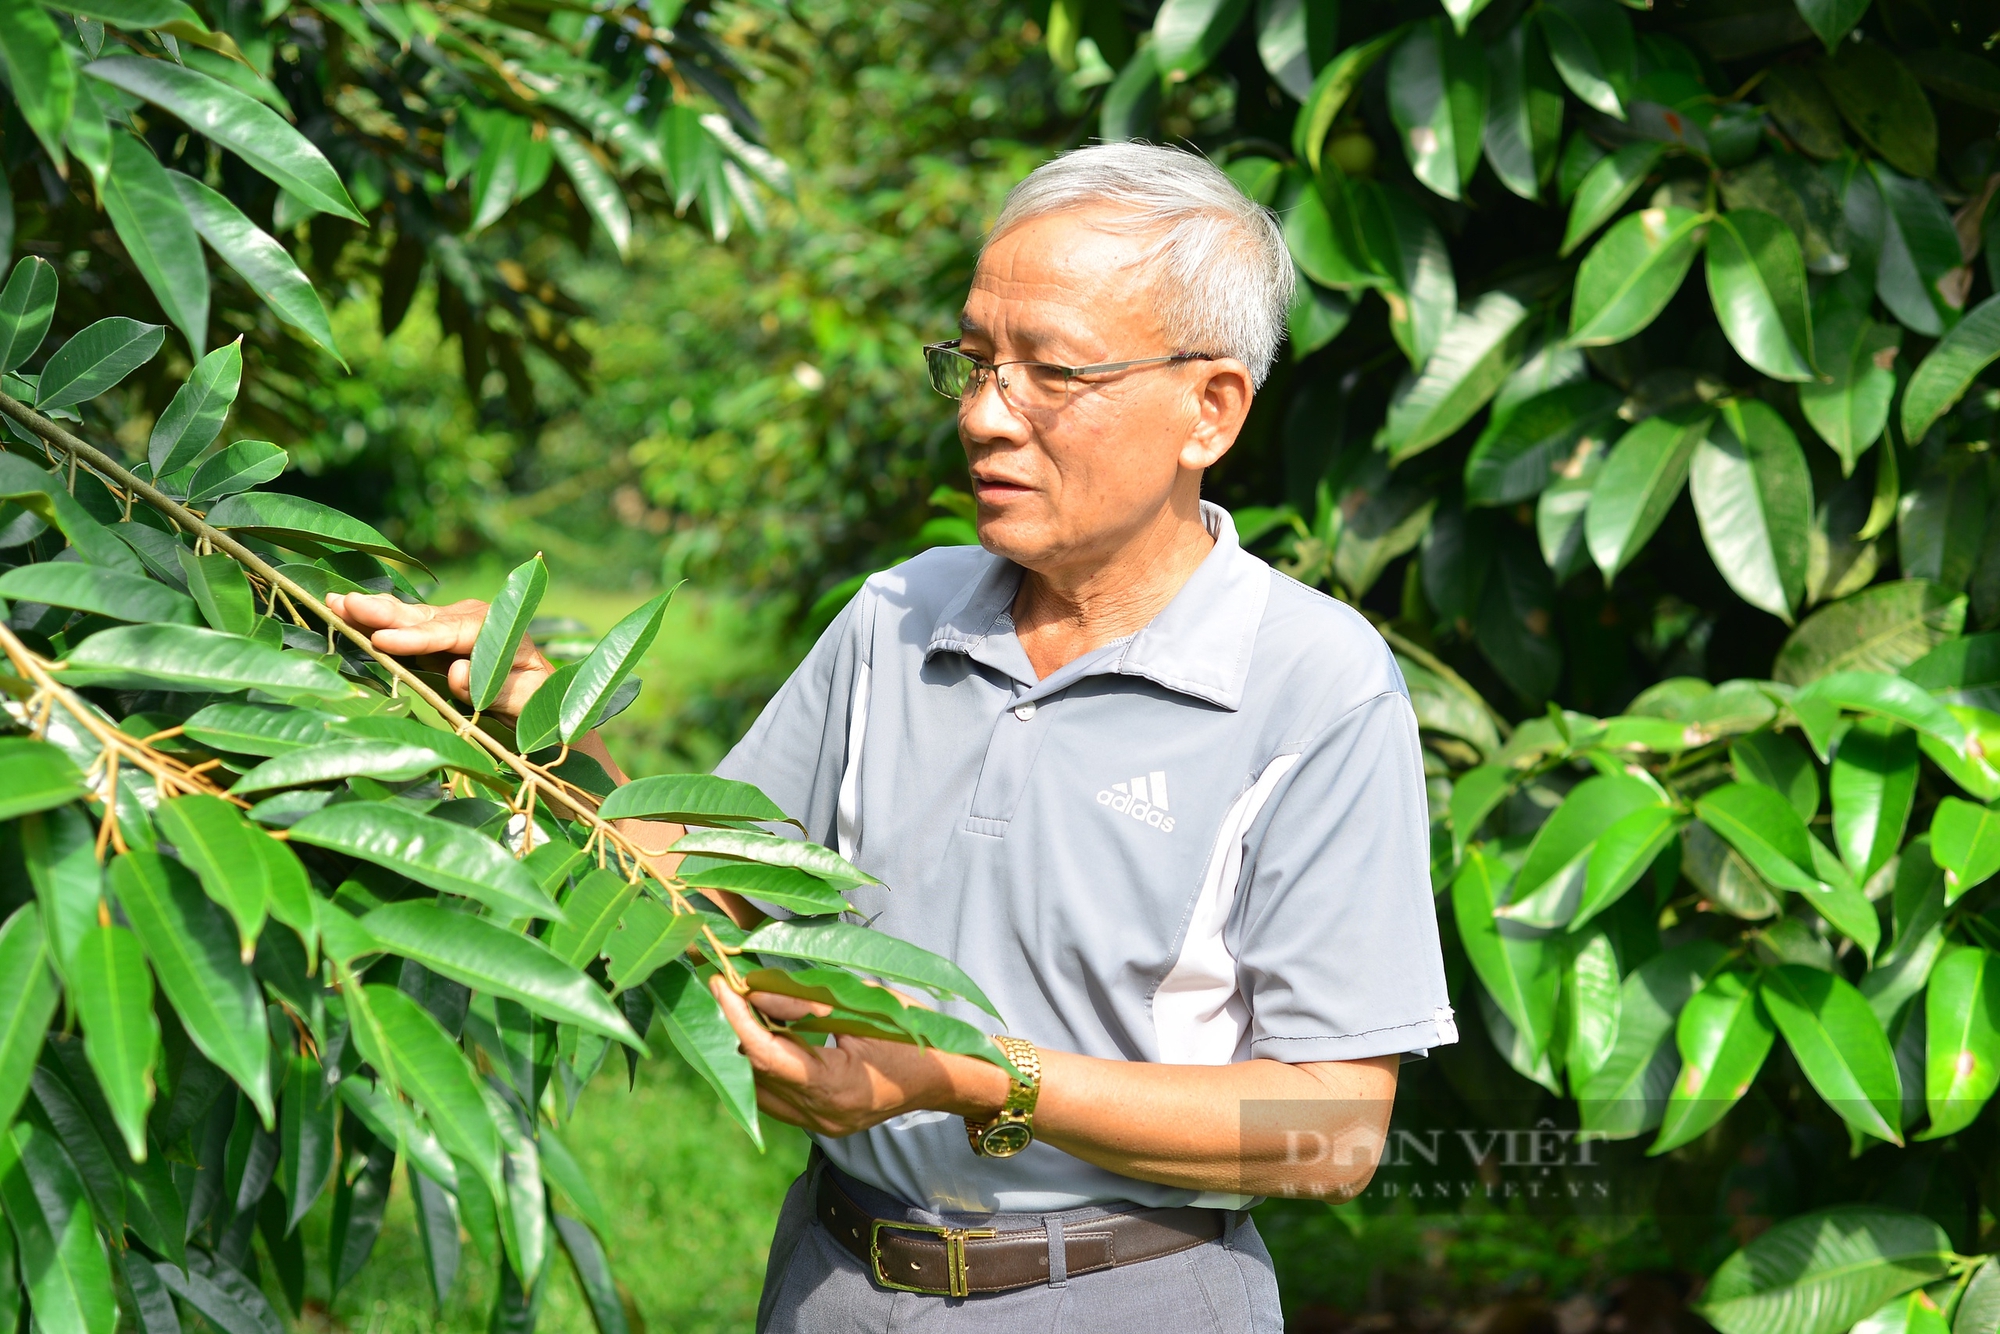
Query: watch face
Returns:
{"type": "Point", "coordinates": [1006, 1139]}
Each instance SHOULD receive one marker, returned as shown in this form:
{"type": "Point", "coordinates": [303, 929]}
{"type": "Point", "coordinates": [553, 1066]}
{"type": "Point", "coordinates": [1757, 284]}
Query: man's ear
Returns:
{"type": "Point", "coordinates": [1222, 402]}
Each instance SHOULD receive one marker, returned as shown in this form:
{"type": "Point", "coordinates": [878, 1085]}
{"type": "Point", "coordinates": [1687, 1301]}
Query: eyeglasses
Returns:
{"type": "Point", "coordinates": [1030, 386]}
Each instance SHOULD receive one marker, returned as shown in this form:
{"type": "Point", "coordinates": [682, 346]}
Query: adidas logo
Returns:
{"type": "Point", "coordinates": [1143, 798]}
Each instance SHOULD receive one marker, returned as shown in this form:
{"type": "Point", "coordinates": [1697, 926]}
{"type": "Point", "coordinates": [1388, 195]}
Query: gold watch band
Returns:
{"type": "Point", "coordinates": [1013, 1128]}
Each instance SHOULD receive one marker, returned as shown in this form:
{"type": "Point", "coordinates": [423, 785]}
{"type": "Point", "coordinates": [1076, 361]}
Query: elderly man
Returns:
{"type": "Point", "coordinates": [1164, 804]}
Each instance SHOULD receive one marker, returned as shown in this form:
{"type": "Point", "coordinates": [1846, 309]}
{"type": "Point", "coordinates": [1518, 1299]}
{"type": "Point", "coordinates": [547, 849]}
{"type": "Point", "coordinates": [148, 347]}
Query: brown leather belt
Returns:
{"type": "Point", "coordinates": [957, 1262]}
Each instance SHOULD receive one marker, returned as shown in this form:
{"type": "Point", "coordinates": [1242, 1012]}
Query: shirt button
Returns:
{"type": "Point", "coordinates": [1025, 711]}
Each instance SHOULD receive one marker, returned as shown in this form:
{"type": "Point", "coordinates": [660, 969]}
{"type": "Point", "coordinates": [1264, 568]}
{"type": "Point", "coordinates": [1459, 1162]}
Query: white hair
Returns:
{"type": "Point", "coordinates": [1225, 277]}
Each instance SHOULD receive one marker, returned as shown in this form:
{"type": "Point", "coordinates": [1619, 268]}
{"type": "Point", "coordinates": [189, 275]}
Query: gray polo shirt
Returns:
{"type": "Point", "coordinates": [1203, 844]}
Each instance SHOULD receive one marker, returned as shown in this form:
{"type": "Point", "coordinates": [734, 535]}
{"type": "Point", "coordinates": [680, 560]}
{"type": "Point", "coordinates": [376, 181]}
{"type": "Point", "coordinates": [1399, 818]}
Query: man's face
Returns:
{"type": "Point", "coordinates": [1063, 486]}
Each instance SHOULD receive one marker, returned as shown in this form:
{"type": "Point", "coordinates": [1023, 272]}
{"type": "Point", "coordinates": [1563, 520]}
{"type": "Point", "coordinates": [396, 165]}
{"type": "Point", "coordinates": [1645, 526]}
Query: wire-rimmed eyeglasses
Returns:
{"type": "Point", "coordinates": [1027, 385]}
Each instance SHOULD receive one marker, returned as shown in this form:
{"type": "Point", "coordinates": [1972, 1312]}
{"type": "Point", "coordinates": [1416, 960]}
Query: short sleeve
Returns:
{"type": "Point", "coordinates": [1335, 929]}
{"type": "Point", "coordinates": [796, 751]}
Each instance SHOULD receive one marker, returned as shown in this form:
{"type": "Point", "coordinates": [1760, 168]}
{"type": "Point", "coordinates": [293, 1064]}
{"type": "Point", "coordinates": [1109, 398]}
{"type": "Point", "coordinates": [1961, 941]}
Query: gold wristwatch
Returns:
{"type": "Point", "coordinates": [1014, 1128]}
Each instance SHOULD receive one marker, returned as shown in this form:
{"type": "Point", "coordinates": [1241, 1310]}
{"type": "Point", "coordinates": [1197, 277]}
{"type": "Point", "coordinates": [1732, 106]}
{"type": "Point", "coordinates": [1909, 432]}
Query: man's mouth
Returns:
{"type": "Point", "coordinates": [995, 489]}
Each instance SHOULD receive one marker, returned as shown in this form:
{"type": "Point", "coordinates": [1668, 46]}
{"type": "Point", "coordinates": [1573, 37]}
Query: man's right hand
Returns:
{"type": "Point", "coordinates": [441, 639]}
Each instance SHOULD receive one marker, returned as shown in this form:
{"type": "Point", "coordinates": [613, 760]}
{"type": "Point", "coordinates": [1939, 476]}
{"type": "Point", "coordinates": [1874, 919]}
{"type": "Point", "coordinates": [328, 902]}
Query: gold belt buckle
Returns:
{"type": "Point", "coordinates": [954, 1239]}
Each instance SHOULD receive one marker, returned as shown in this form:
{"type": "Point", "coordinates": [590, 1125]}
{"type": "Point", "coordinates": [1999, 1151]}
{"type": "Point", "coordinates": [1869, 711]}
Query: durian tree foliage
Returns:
{"type": "Point", "coordinates": [1640, 389]}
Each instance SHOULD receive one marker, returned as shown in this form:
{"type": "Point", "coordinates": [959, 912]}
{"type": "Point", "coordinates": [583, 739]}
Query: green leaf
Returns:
{"type": "Point", "coordinates": [1940, 525]}
{"type": "Point", "coordinates": [1476, 353]}
{"type": "Point", "coordinates": [113, 995]}
{"type": "Point", "coordinates": [690, 799]}
{"type": "Point", "coordinates": [1437, 97]}
{"type": "Point", "coordinates": [1403, 244]}
{"type": "Point", "coordinates": [1872, 692]}
{"type": "Point", "coordinates": [1977, 770]}
{"type": "Point", "coordinates": [1332, 87]}
{"type": "Point", "coordinates": [1723, 1036]}
{"type": "Point", "coordinates": [1820, 1272]}
{"type": "Point", "coordinates": [1130, 101]}
{"type": "Point", "coordinates": [1883, 101]}
{"type": "Point", "coordinates": [194, 418]}
{"type": "Point", "coordinates": [1314, 318]}
{"type": "Point", "coordinates": [1965, 841]}
{"type": "Point", "coordinates": [1962, 671]}
{"type": "Point", "coordinates": [1605, 188]}
{"type": "Point", "coordinates": [1874, 784]}
{"type": "Point", "coordinates": [113, 593]}
{"type": "Point", "coordinates": [27, 304]}
{"type": "Point", "coordinates": [216, 843]}
{"type": "Point", "coordinates": [867, 951]}
{"type": "Point", "coordinates": [1850, 409]}
{"type": "Point", "coordinates": [1189, 34]}
{"type": "Point", "coordinates": [388, 761]}
{"type": "Point", "coordinates": [1621, 855]}
{"type": "Point", "coordinates": [1550, 883]}
{"type": "Point", "coordinates": [694, 1023]}
{"type": "Point", "coordinates": [39, 73]}
{"type": "Point", "coordinates": [183, 657]}
{"type": "Point", "coordinates": [452, 751]}
{"type": "Point", "coordinates": [28, 996]}
{"type": "Point", "coordinates": [1780, 764]}
{"type": "Point", "coordinates": [256, 729]}
{"type": "Point", "coordinates": [1629, 276]}
{"type": "Point", "coordinates": [779, 885]}
{"type": "Point", "coordinates": [541, 717]}
{"type": "Point", "coordinates": [593, 908]}
{"type": "Point", "coordinates": [1638, 485]}
{"type": "Point", "coordinates": [1943, 377]}
{"type": "Point", "coordinates": [1830, 19]}
{"type": "Point", "coordinates": [1627, 1094]}
{"type": "Point", "coordinates": [193, 951]}
{"type": "Point", "coordinates": [505, 626]}
{"type": "Point", "coordinates": [1514, 618]}
{"type": "Point", "coordinates": [234, 121]}
{"type": "Point", "coordinates": [1958, 76]}
{"type": "Point", "coordinates": [286, 519]}
{"type": "Point", "coordinates": [1594, 51]}
{"type": "Point", "coordinates": [35, 776]}
{"type": "Point", "coordinates": [226, 1298]}
{"type": "Point", "coordinates": [1294, 37]}
{"type": "Point", "coordinates": [410, 1049]}
{"type": "Point", "coordinates": [770, 850]}
{"type": "Point", "coordinates": [498, 962]}
{"type": "Point", "coordinates": [593, 1271]}
{"type": "Point", "coordinates": [220, 590]}
{"type": "Point", "coordinates": [62, 1262]}
{"type": "Point", "coordinates": [1473, 797]}
{"type": "Point", "coordinates": [1521, 968]}
{"type": "Point", "coordinates": [1962, 1033]}
{"type": "Point", "coordinates": [1917, 251]}
{"type": "Point", "coordinates": [1884, 628]}
{"type": "Point", "coordinates": [60, 848]}
{"type": "Point", "coordinates": [1592, 995]}
{"type": "Point", "coordinates": [601, 673]}
{"type": "Point", "coordinates": [1753, 497]}
{"type": "Point", "coordinates": [1548, 438]}
{"type": "Point", "coordinates": [1798, 102]}
{"type": "Point", "coordinates": [306, 1136]}
{"type": "Point", "coordinates": [1524, 111]}
{"type": "Point", "coordinates": [1839, 1045]}
{"type": "Point", "coordinates": [1761, 825]}
{"type": "Point", "coordinates": [236, 467]}
{"type": "Point", "coordinates": [648, 936]}
{"type": "Point", "coordinates": [94, 360]}
{"type": "Point", "coordinates": [1979, 1307]}
{"type": "Point", "coordinates": [596, 187]}
{"type": "Point", "coordinates": [1757, 282]}
{"type": "Point", "coordinates": [255, 255]}
{"type": "Point", "coordinates": [134, 15]}
{"type": "Point", "coordinates": [150, 219]}
{"type": "Point", "coordinates": [430, 851]}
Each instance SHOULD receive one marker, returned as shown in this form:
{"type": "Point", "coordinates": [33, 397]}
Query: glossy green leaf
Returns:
{"type": "Point", "coordinates": [1723, 1035]}
{"type": "Point", "coordinates": [180, 657]}
{"type": "Point", "coordinates": [1830, 19]}
{"type": "Point", "coordinates": [1548, 438]}
{"type": "Point", "coordinates": [62, 1262]}
{"type": "Point", "coordinates": [770, 850]}
{"type": "Point", "coordinates": [1629, 276]}
{"type": "Point", "coordinates": [235, 121]}
{"type": "Point", "coordinates": [1524, 110]}
{"type": "Point", "coordinates": [39, 73]}
{"type": "Point", "coordinates": [1294, 37]}
{"type": "Point", "coordinates": [46, 495]}
{"type": "Point", "coordinates": [694, 1023]}
{"type": "Point", "coordinates": [1437, 98]}
{"type": "Point", "coordinates": [220, 590]}
{"type": "Point", "coordinates": [1550, 882]}
{"type": "Point", "coordinates": [782, 886]}
{"type": "Point", "coordinates": [541, 717]}
{"type": "Point", "coordinates": [218, 845]}
{"type": "Point", "coordinates": [593, 1273]}
{"type": "Point", "coordinates": [195, 417]}
{"type": "Point", "coordinates": [27, 305]}
{"type": "Point", "coordinates": [1592, 996]}
{"type": "Point", "coordinates": [1639, 483]}
{"type": "Point", "coordinates": [1837, 1042]}
{"type": "Point", "coordinates": [690, 799]}
{"type": "Point", "coordinates": [1884, 628]}
{"type": "Point", "coordinates": [601, 673]}
{"type": "Point", "coordinates": [113, 995]}
{"type": "Point", "coordinates": [306, 1135]}
{"type": "Point", "coordinates": [1521, 968]}
{"type": "Point", "coordinates": [1128, 105]}
{"type": "Point", "coordinates": [500, 635]}
{"type": "Point", "coordinates": [1757, 282]}
{"type": "Point", "coordinates": [226, 1298]}
{"type": "Point", "coordinates": [1762, 826]}
{"type": "Point", "coordinates": [1188, 34]}
{"type": "Point", "coordinates": [1474, 796]}
{"type": "Point", "coordinates": [1753, 497]}
{"type": "Point", "coordinates": [94, 360]}
{"type": "Point", "coordinates": [27, 1003]}
{"type": "Point", "coordinates": [1605, 188]}
{"type": "Point", "coordinates": [1627, 1093]}
{"type": "Point", "coordinates": [35, 776]}
{"type": "Point", "coordinates": [1962, 1033]}
{"type": "Point", "coordinates": [1977, 768]}
{"type": "Point", "coordinates": [1315, 317]}
{"type": "Point", "coordinates": [1779, 763]}
{"type": "Point", "coordinates": [1963, 671]}
{"type": "Point", "coordinates": [1942, 378]}
{"type": "Point", "coordinates": [388, 761]}
{"type": "Point", "coordinates": [501, 963]}
{"type": "Point", "coordinates": [1965, 841]}
{"type": "Point", "coordinates": [257, 729]}
{"type": "Point", "coordinates": [1850, 408]}
{"type": "Point", "coordinates": [1883, 101]}
{"type": "Point", "coordinates": [410, 1049]}
{"type": "Point", "coordinates": [1594, 51]}
{"type": "Point", "coordinates": [60, 849]}
{"type": "Point", "coordinates": [258, 258]}
{"type": "Point", "coordinates": [1979, 1305]}
{"type": "Point", "coordinates": [282, 519]}
{"type": "Point", "coordinates": [452, 751]}
{"type": "Point", "coordinates": [193, 950]}
{"type": "Point", "coordinates": [1886, 696]}
{"type": "Point", "coordinates": [430, 851]}
{"type": "Point", "coordinates": [1820, 1272]}
{"type": "Point", "coordinates": [153, 223]}
{"type": "Point", "coordinates": [593, 908]}
{"type": "Point", "coordinates": [1332, 87]}
{"type": "Point", "coordinates": [236, 467]}
{"type": "Point", "coordinates": [648, 936]}
{"type": "Point", "coordinates": [112, 593]}
{"type": "Point", "coordinates": [867, 951]}
{"type": "Point", "coordinates": [1917, 249]}
{"type": "Point", "coordinates": [1404, 245]}
{"type": "Point", "coordinates": [1873, 783]}
{"type": "Point", "coordinates": [595, 186]}
{"type": "Point", "coordinates": [1476, 353]}
{"type": "Point", "coordinates": [1621, 855]}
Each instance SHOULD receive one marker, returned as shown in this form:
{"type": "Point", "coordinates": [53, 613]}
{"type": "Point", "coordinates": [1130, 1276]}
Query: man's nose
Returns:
{"type": "Point", "coordinates": [985, 413]}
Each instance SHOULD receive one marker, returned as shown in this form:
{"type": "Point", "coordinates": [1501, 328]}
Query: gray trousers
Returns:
{"type": "Point", "coordinates": [814, 1286]}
